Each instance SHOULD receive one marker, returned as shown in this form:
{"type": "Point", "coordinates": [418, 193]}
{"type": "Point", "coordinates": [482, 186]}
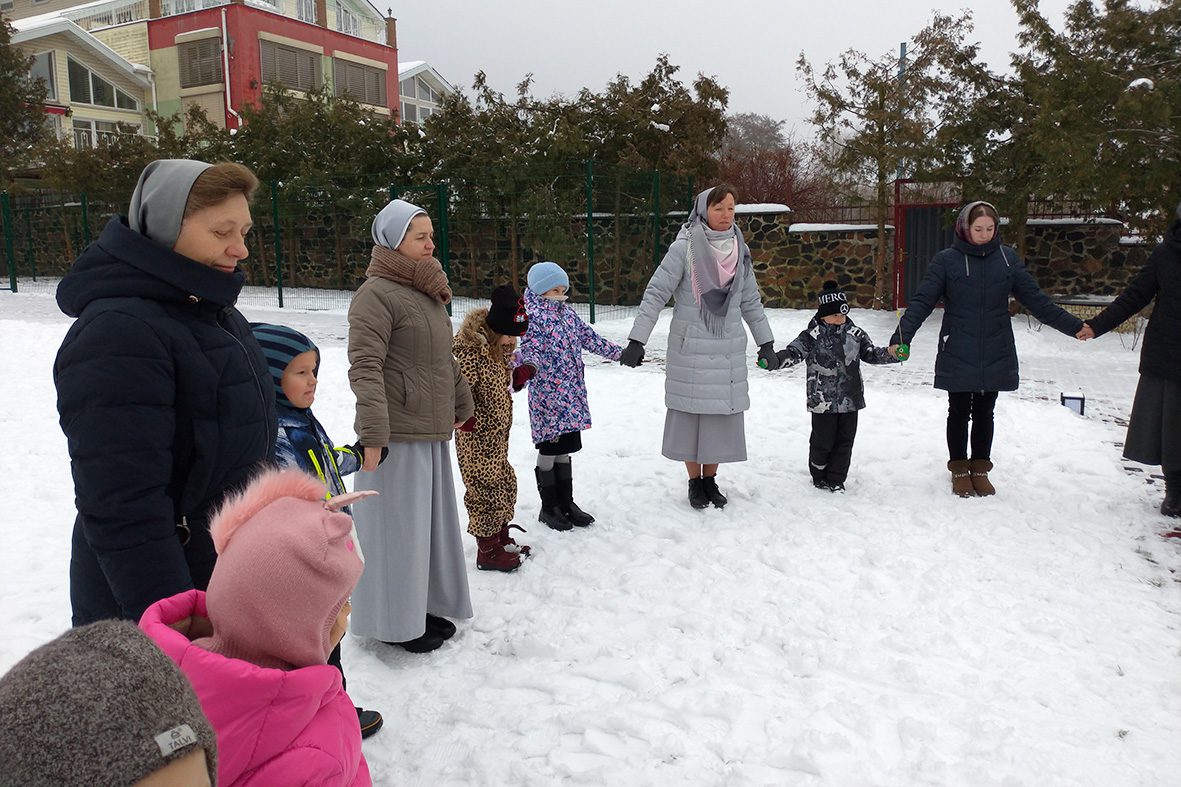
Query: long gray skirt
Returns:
{"type": "Point", "coordinates": [704, 439]}
{"type": "Point", "coordinates": [1154, 430]}
{"type": "Point", "coordinates": [412, 543]}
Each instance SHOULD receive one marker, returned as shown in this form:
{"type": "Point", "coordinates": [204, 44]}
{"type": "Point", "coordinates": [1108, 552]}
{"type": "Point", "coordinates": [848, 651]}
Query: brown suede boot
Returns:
{"type": "Point", "coordinates": [961, 480]}
{"type": "Point", "coordinates": [978, 470]}
{"type": "Point", "coordinates": [492, 556]}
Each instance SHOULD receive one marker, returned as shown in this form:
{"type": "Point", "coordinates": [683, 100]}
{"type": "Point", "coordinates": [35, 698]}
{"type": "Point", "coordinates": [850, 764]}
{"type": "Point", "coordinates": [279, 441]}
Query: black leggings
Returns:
{"type": "Point", "coordinates": [977, 407]}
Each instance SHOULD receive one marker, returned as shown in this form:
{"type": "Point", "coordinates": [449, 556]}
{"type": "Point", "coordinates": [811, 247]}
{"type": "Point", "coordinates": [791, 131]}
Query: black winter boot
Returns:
{"type": "Point", "coordinates": [697, 496]}
{"type": "Point", "coordinates": [565, 483]}
{"type": "Point", "coordinates": [551, 514]}
{"type": "Point", "coordinates": [712, 493]}
{"type": "Point", "coordinates": [1171, 505]}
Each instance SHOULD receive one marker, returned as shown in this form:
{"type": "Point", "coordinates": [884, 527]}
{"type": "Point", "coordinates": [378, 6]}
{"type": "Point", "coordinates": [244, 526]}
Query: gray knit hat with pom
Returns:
{"type": "Point", "coordinates": [99, 705]}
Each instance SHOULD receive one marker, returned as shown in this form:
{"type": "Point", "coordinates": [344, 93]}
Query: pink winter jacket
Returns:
{"type": "Point", "coordinates": [273, 727]}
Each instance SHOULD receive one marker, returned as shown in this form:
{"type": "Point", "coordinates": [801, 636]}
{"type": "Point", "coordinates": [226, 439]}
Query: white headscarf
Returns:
{"type": "Point", "coordinates": [392, 221]}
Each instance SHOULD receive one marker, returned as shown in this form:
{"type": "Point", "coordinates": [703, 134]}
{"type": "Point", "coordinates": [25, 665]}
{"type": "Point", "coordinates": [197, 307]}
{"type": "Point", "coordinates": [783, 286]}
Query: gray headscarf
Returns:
{"type": "Point", "coordinates": [715, 299]}
{"type": "Point", "coordinates": [392, 221]}
{"type": "Point", "coordinates": [158, 202]}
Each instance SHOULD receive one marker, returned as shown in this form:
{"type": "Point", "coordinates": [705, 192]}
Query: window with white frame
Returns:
{"type": "Point", "coordinates": [347, 22]}
{"type": "Point", "coordinates": [87, 87]}
{"type": "Point", "coordinates": [53, 123]}
{"type": "Point", "coordinates": [419, 100]}
{"type": "Point", "coordinates": [296, 69]}
{"type": "Point", "coordinates": [5, 5]}
{"type": "Point", "coordinates": [306, 11]}
{"type": "Point", "coordinates": [200, 62]}
{"type": "Point", "coordinates": [43, 69]}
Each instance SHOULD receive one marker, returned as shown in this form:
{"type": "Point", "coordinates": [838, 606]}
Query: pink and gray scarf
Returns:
{"type": "Point", "coordinates": [713, 275]}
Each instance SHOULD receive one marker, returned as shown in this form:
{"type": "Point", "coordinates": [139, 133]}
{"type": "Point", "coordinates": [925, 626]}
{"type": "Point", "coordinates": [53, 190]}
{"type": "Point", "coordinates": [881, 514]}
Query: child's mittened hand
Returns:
{"type": "Point", "coordinates": [523, 374]}
{"type": "Point", "coordinates": [467, 426]}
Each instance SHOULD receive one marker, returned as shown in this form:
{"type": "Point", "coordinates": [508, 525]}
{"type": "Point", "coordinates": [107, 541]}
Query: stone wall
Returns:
{"type": "Point", "coordinates": [330, 249]}
{"type": "Point", "coordinates": [1081, 259]}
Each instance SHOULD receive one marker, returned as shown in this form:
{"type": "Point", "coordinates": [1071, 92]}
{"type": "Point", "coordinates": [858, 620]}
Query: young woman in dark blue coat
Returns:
{"type": "Point", "coordinates": [163, 393]}
{"type": "Point", "coordinates": [977, 356]}
{"type": "Point", "coordinates": [1154, 430]}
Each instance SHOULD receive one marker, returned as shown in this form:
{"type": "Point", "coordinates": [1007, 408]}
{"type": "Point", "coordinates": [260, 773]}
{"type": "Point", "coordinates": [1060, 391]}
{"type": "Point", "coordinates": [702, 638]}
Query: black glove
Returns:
{"type": "Point", "coordinates": [633, 354]}
{"type": "Point", "coordinates": [767, 355]}
{"type": "Point", "coordinates": [359, 450]}
{"type": "Point", "coordinates": [787, 357]}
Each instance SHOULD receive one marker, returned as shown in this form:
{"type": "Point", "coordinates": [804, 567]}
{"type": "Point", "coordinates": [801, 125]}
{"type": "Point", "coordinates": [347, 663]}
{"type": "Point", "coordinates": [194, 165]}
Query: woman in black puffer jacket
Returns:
{"type": "Point", "coordinates": [163, 392]}
{"type": "Point", "coordinates": [1154, 430]}
{"type": "Point", "coordinates": [977, 355]}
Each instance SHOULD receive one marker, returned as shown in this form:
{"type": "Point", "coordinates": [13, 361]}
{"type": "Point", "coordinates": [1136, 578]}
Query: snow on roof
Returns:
{"type": "Point", "coordinates": [833, 227]}
{"type": "Point", "coordinates": [409, 66]}
{"type": "Point", "coordinates": [762, 207]}
{"type": "Point", "coordinates": [1073, 220]}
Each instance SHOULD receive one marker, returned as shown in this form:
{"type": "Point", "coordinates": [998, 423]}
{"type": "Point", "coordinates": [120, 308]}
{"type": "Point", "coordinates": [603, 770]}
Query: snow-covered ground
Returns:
{"type": "Point", "coordinates": [890, 635]}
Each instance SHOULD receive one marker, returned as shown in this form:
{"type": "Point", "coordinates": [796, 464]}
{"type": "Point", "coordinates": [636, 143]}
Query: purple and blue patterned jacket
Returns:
{"type": "Point", "coordinates": [554, 344]}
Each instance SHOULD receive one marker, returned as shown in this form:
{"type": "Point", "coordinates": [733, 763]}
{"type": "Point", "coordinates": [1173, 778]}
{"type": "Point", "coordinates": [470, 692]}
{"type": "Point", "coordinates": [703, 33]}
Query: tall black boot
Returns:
{"type": "Point", "coordinates": [551, 513]}
{"type": "Point", "coordinates": [1171, 505]}
{"type": "Point", "coordinates": [565, 483]}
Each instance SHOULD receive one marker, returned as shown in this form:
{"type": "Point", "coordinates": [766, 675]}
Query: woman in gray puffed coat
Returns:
{"type": "Point", "coordinates": [709, 273]}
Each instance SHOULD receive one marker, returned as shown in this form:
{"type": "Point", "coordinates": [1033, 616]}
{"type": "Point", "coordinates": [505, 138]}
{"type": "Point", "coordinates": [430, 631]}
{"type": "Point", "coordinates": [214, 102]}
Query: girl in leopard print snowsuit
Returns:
{"type": "Point", "coordinates": [484, 348]}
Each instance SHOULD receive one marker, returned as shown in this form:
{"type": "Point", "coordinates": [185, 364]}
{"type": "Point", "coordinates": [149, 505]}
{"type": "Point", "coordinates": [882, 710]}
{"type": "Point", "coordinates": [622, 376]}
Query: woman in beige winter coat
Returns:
{"type": "Point", "coordinates": [410, 397]}
{"type": "Point", "coordinates": [484, 348]}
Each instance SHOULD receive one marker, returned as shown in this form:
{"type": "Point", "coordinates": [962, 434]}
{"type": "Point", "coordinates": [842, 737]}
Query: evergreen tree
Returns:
{"type": "Point", "coordinates": [875, 125]}
{"type": "Point", "coordinates": [22, 101]}
{"type": "Point", "coordinates": [1107, 92]}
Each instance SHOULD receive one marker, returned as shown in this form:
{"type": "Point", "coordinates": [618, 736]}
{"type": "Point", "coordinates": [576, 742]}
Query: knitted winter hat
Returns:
{"type": "Point", "coordinates": [544, 276]}
{"type": "Point", "coordinates": [280, 345]}
{"type": "Point", "coordinates": [287, 562]}
{"type": "Point", "coordinates": [507, 314]}
{"type": "Point", "coordinates": [100, 704]}
{"type": "Point", "coordinates": [831, 300]}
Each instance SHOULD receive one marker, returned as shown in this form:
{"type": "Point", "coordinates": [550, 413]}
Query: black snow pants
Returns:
{"type": "Point", "coordinates": [830, 448]}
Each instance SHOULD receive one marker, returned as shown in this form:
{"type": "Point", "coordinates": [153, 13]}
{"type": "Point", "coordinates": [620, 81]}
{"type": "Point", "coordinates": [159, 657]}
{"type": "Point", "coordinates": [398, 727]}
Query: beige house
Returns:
{"type": "Point", "coordinates": [422, 90]}
{"type": "Point", "coordinates": [92, 92]}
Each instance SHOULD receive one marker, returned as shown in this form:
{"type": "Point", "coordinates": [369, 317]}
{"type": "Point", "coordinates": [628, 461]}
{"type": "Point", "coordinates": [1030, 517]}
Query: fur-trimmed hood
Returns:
{"type": "Point", "coordinates": [470, 335]}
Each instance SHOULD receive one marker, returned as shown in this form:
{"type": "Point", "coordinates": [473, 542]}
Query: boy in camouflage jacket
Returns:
{"type": "Point", "coordinates": [833, 348]}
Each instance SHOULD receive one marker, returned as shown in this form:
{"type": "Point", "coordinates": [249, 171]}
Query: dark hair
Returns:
{"type": "Point", "coordinates": [720, 192]}
{"type": "Point", "coordinates": [983, 209]}
{"type": "Point", "coordinates": [218, 183]}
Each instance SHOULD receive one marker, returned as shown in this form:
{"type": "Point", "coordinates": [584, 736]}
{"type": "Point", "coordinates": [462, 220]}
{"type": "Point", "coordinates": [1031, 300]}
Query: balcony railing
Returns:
{"type": "Point", "coordinates": [90, 138]}
{"type": "Point", "coordinates": [116, 12]}
{"type": "Point", "coordinates": [119, 12]}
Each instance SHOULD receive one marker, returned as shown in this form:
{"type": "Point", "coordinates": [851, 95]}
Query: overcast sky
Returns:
{"type": "Point", "coordinates": [749, 47]}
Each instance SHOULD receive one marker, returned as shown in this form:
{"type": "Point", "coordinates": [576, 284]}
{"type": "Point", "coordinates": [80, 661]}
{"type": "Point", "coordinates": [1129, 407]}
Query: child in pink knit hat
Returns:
{"type": "Point", "coordinates": [255, 645]}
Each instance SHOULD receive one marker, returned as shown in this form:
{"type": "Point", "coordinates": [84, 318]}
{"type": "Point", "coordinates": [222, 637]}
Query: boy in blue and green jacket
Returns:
{"type": "Point", "coordinates": [301, 441]}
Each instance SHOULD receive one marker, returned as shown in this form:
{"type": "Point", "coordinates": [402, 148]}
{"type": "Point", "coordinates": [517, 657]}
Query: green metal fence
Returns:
{"type": "Point", "coordinates": [607, 226]}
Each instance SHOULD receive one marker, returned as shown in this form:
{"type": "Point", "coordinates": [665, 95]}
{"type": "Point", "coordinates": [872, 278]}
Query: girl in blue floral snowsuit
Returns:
{"type": "Point", "coordinates": [558, 409]}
